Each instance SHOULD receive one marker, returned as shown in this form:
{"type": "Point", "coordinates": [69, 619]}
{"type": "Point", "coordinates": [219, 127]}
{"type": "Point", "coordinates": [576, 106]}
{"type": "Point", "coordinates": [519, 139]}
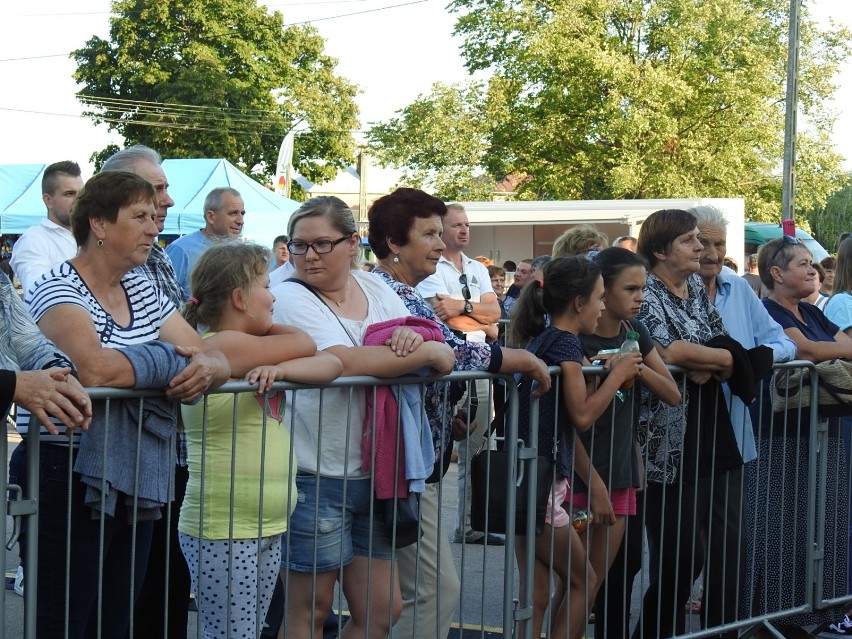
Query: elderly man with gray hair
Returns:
{"type": "Point", "coordinates": [748, 322]}
{"type": "Point", "coordinates": [224, 214]}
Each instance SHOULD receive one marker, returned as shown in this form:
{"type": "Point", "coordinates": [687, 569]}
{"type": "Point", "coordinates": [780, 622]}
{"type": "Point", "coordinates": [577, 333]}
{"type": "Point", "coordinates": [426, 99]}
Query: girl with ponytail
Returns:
{"type": "Point", "coordinates": [548, 318]}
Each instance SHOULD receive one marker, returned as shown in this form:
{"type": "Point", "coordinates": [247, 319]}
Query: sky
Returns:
{"type": "Point", "coordinates": [394, 50]}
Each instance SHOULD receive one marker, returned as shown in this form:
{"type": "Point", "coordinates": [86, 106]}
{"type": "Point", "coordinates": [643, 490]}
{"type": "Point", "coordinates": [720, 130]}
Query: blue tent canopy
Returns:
{"type": "Point", "coordinates": [21, 205]}
{"type": "Point", "coordinates": [267, 213]}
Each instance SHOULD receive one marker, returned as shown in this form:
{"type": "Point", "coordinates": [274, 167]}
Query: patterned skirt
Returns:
{"type": "Point", "coordinates": [777, 516]}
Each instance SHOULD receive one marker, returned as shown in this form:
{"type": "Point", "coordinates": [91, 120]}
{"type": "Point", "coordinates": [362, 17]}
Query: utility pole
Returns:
{"type": "Point", "coordinates": [363, 159]}
{"type": "Point", "coordinates": [788, 184]}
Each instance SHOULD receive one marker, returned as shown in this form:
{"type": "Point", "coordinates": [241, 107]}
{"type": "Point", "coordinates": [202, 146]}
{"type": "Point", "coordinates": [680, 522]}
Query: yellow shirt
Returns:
{"type": "Point", "coordinates": [231, 489]}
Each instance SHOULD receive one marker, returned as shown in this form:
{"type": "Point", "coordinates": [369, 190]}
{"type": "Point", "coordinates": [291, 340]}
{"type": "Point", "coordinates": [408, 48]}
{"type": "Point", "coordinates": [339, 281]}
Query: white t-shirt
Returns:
{"type": "Point", "coordinates": [39, 249]}
{"type": "Point", "coordinates": [445, 280]}
{"type": "Point", "coordinates": [339, 441]}
{"type": "Point", "coordinates": [283, 272]}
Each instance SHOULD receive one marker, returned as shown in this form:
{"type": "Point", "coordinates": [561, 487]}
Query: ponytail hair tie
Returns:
{"type": "Point", "coordinates": [193, 300]}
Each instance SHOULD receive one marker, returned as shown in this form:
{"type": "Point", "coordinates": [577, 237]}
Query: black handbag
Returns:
{"type": "Point", "coordinates": [489, 510]}
{"type": "Point", "coordinates": [401, 517]}
{"type": "Point", "coordinates": [490, 470]}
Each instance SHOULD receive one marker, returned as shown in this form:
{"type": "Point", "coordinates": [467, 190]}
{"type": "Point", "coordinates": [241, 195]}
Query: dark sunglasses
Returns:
{"type": "Point", "coordinates": [787, 240]}
{"type": "Point", "coordinates": [465, 289]}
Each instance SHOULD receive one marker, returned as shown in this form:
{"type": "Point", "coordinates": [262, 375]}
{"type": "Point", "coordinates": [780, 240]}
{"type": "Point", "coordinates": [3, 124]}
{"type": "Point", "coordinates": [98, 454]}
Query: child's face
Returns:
{"type": "Point", "coordinates": [259, 303]}
{"type": "Point", "coordinates": [591, 311]}
{"type": "Point", "coordinates": [624, 298]}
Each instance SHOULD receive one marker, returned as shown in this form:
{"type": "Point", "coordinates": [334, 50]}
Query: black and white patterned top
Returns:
{"type": "Point", "coordinates": [670, 318]}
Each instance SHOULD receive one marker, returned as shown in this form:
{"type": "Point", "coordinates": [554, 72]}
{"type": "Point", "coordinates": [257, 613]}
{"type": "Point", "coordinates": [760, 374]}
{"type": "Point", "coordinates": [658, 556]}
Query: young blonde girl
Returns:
{"type": "Point", "coordinates": [567, 303]}
{"type": "Point", "coordinates": [241, 486]}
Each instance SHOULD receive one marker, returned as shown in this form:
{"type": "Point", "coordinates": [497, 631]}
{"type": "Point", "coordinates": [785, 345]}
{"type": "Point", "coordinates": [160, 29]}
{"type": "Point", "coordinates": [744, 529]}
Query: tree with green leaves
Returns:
{"type": "Point", "coordinates": [219, 79]}
{"type": "Point", "coordinates": [601, 99]}
{"type": "Point", "coordinates": [835, 217]}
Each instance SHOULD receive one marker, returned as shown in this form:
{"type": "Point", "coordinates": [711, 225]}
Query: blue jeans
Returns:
{"type": "Point", "coordinates": [55, 525]}
{"type": "Point", "coordinates": [325, 531]}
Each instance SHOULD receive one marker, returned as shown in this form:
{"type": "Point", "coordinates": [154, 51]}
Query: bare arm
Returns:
{"type": "Point", "coordinates": [245, 352]}
{"type": "Point", "coordinates": [317, 369]}
{"type": "Point", "coordinates": [382, 361]}
{"type": "Point", "coordinates": [584, 408]}
{"type": "Point", "coordinates": [658, 379]}
{"type": "Point", "coordinates": [695, 356]}
{"type": "Point", "coordinates": [518, 360]}
{"type": "Point", "coordinates": [820, 351]}
{"type": "Point", "coordinates": [53, 393]}
{"type": "Point", "coordinates": [485, 311]}
{"type": "Point", "coordinates": [70, 328]}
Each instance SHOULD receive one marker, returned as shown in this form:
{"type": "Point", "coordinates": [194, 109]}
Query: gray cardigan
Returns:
{"type": "Point", "coordinates": [107, 459]}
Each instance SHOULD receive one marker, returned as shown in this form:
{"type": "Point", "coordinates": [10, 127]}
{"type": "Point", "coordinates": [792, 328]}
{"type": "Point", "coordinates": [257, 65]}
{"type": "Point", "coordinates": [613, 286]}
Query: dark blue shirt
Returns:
{"type": "Point", "coordinates": [561, 346]}
{"type": "Point", "coordinates": [816, 327]}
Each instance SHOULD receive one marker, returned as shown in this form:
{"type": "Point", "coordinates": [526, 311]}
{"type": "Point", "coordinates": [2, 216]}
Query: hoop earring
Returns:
{"type": "Point", "coordinates": [100, 242]}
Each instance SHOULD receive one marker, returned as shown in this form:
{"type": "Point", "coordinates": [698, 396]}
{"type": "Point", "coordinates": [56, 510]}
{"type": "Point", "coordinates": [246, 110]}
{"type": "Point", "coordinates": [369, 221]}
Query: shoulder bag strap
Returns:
{"type": "Point", "coordinates": [319, 297]}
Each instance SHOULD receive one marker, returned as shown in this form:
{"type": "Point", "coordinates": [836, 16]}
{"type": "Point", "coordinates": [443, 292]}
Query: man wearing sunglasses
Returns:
{"type": "Point", "coordinates": [460, 293]}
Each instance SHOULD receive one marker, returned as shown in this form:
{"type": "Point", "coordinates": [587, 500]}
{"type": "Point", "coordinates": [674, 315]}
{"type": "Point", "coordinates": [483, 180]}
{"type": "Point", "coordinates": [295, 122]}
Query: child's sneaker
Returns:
{"type": "Point", "coordinates": [842, 627]}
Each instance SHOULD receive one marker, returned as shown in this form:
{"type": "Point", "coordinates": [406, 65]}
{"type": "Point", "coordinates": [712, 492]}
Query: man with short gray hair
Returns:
{"type": "Point", "coordinates": [145, 162]}
{"type": "Point", "coordinates": [224, 214]}
{"type": "Point", "coordinates": [748, 322]}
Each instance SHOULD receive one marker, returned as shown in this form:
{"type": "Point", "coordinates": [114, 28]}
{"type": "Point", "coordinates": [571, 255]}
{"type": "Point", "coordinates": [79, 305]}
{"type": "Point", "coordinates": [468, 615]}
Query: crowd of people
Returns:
{"type": "Point", "coordinates": [264, 504]}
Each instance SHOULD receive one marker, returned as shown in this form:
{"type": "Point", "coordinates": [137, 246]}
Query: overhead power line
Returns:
{"type": "Point", "coordinates": [66, 14]}
{"type": "Point", "coordinates": [178, 125]}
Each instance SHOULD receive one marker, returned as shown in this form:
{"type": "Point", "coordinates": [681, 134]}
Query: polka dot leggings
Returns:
{"type": "Point", "coordinates": [232, 600]}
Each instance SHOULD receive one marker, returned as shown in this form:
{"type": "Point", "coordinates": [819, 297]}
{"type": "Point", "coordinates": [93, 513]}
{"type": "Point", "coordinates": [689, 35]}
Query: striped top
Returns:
{"type": "Point", "coordinates": [149, 309]}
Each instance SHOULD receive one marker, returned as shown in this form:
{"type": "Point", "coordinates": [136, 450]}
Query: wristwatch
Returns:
{"type": "Point", "coordinates": [468, 307]}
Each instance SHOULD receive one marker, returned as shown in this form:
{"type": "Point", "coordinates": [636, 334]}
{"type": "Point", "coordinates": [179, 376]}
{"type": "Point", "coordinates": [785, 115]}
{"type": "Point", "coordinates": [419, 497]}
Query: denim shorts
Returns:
{"type": "Point", "coordinates": [324, 533]}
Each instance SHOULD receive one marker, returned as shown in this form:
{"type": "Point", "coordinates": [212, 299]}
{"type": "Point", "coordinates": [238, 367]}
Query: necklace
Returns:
{"type": "Point", "coordinates": [345, 297]}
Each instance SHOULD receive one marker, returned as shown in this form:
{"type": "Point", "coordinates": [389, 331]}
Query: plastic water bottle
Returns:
{"type": "Point", "coordinates": [630, 345]}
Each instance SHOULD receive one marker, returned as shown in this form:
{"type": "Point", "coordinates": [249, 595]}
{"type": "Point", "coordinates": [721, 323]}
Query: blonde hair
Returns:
{"type": "Point", "coordinates": [337, 212]}
{"type": "Point", "coordinates": [578, 240]}
{"type": "Point", "coordinates": [226, 266]}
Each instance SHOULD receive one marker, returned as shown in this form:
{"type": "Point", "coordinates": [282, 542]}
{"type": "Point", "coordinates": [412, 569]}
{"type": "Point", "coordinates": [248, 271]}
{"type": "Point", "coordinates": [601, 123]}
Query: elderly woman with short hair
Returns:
{"type": "Point", "coordinates": [787, 270]}
{"type": "Point", "coordinates": [405, 234]}
{"type": "Point", "coordinates": [119, 330]}
{"type": "Point", "coordinates": [683, 476]}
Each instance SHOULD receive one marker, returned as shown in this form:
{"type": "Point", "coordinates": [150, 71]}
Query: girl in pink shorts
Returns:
{"type": "Point", "coordinates": [607, 468]}
{"type": "Point", "coordinates": [548, 317]}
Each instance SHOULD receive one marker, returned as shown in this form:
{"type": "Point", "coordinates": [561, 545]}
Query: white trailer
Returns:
{"type": "Point", "coordinates": [516, 230]}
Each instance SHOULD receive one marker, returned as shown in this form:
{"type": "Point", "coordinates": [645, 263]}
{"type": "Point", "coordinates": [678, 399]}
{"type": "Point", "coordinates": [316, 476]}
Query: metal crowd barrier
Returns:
{"type": "Point", "coordinates": [788, 553]}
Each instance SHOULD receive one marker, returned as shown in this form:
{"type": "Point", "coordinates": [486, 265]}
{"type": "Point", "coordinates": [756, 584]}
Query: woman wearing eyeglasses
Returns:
{"type": "Point", "coordinates": [335, 528]}
{"type": "Point", "coordinates": [786, 269]}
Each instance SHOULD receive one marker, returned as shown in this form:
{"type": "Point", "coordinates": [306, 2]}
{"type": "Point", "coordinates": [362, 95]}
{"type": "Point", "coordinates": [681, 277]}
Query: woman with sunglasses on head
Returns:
{"type": "Point", "coordinates": [336, 530]}
{"type": "Point", "coordinates": [786, 270]}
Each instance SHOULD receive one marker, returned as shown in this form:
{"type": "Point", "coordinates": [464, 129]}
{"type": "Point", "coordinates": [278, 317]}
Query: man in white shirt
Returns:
{"type": "Point", "coordinates": [280, 268]}
{"type": "Point", "coordinates": [460, 293]}
{"type": "Point", "coordinates": [50, 242]}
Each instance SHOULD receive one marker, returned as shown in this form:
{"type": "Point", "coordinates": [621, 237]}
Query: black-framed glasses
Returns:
{"type": "Point", "coordinates": [320, 246]}
{"type": "Point", "coordinates": [786, 240]}
{"type": "Point", "coordinates": [465, 288]}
